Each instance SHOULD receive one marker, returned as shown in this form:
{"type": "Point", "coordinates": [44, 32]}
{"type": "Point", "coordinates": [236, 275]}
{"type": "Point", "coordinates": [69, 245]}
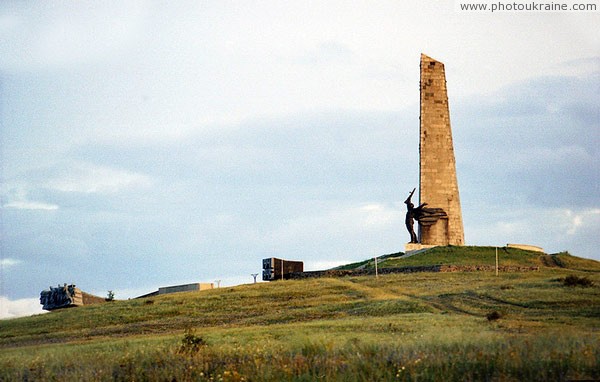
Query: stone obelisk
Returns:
{"type": "Point", "coordinates": [438, 186]}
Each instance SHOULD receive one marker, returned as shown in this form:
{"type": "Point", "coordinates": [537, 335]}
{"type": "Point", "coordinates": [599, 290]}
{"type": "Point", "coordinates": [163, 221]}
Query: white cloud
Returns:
{"type": "Point", "coordinates": [18, 199]}
{"type": "Point", "coordinates": [554, 229]}
{"type": "Point", "coordinates": [376, 216]}
{"type": "Point", "coordinates": [19, 308]}
{"type": "Point", "coordinates": [573, 221]}
{"type": "Point", "coordinates": [125, 293]}
{"type": "Point", "coordinates": [324, 264]}
{"type": "Point", "coordinates": [342, 221]}
{"type": "Point", "coordinates": [8, 262]}
{"type": "Point", "coordinates": [145, 129]}
{"type": "Point", "coordinates": [338, 232]}
{"type": "Point", "coordinates": [87, 178]}
{"type": "Point", "coordinates": [28, 205]}
{"type": "Point", "coordinates": [42, 36]}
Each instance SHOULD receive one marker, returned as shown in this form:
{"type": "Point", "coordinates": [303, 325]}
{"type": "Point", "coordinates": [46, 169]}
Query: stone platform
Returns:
{"type": "Point", "coordinates": [415, 248]}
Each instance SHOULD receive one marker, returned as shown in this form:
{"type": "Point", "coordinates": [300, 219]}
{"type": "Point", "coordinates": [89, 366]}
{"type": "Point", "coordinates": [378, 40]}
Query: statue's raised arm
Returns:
{"type": "Point", "coordinates": [410, 196]}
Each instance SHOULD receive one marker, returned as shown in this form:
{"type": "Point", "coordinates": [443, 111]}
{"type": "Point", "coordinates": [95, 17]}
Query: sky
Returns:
{"type": "Point", "coordinates": [149, 143]}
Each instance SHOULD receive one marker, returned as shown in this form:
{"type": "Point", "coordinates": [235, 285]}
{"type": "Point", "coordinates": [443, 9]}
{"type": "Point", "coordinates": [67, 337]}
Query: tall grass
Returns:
{"type": "Point", "coordinates": [321, 352]}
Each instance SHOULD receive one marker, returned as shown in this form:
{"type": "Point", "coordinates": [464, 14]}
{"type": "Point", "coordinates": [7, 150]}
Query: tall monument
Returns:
{"type": "Point", "coordinates": [438, 186]}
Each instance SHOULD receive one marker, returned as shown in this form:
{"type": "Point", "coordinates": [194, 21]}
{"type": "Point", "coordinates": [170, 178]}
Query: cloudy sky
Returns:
{"type": "Point", "coordinates": [147, 144]}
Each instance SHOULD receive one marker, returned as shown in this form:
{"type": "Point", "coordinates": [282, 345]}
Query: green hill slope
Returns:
{"type": "Point", "coordinates": [475, 255]}
{"type": "Point", "coordinates": [451, 326]}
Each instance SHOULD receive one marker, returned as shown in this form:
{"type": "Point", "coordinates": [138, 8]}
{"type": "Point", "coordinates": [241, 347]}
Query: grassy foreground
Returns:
{"type": "Point", "coordinates": [421, 326]}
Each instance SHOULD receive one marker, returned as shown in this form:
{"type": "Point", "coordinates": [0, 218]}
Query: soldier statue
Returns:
{"type": "Point", "coordinates": [425, 216]}
{"type": "Point", "coordinates": [411, 214]}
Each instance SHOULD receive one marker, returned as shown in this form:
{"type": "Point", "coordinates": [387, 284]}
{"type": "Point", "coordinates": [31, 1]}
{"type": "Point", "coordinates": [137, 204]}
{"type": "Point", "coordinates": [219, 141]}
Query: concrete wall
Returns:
{"type": "Point", "coordinates": [527, 247]}
{"type": "Point", "coordinates": [90, 299]}
{"type": "Point", "coordinates": [438, 186]}
{"type": "Point", "coordinates": [185, 288]}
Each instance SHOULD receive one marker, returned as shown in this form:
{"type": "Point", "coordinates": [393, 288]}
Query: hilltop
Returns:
{"type": "Point", "coordinates": [455, 325]}
{"type": "Point", "coordinates": [478, 256]}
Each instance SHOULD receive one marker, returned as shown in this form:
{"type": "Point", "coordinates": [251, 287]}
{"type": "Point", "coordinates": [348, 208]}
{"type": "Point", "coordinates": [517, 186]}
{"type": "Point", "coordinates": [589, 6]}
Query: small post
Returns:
{"type": "Point", "coordinates": [254, 275]}
{"type": "Point", "coordinates": [282, 269]}
{"type": "Point", "coordinates": [376, 271]}
{"type": "Point", "coordinates": [496, 261]}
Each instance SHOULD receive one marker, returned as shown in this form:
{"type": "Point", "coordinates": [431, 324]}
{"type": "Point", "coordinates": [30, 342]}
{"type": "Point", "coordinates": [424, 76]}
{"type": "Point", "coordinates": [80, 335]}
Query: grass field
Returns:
{"type": "Point", "coordinates": [420, 326]}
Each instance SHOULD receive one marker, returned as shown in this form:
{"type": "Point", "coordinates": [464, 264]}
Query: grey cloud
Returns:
{"type": "Point", "coordinates": [546, 153]}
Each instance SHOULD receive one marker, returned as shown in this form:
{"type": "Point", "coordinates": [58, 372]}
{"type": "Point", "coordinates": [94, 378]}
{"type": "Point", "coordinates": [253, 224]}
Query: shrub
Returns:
{"type": "Point", "coordinates": [191, 343]}
{"type": "Point", "coordinates": [573, 280]}
{"type": "Point", "coordinates": [493, 316]}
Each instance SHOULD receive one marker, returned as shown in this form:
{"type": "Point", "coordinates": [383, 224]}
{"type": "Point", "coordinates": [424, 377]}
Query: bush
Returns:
{"type": "Point", "coordinates": [191, 343]}
{"type": "Point", "coordinates": [493, 316]}
{"type": "Point", "coordinates": [573, 280]}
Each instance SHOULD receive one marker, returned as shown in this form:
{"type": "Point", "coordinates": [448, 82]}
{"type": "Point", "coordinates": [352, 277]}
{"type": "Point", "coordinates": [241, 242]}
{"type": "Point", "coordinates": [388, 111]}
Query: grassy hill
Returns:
{"type": "Point", "coordinates": [473, 255]}
{"type": "Point", "coordinates": [425, 326]}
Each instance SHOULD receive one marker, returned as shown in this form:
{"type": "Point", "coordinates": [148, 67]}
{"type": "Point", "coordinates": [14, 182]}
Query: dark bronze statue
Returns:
{"type": "Point", "coordinates": [59, 297]}
{"type": "Point", "coordinates": [411, 213]}
{"type": "Point", "coordinates": [425, 216]}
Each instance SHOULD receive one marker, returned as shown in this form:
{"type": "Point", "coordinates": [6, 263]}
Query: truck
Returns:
{"type": "Point", "coordinates": [279, 269]}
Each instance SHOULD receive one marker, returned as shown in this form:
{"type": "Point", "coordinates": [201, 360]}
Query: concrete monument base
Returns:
{"type": "Point", "coordinates": [414, 248]}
